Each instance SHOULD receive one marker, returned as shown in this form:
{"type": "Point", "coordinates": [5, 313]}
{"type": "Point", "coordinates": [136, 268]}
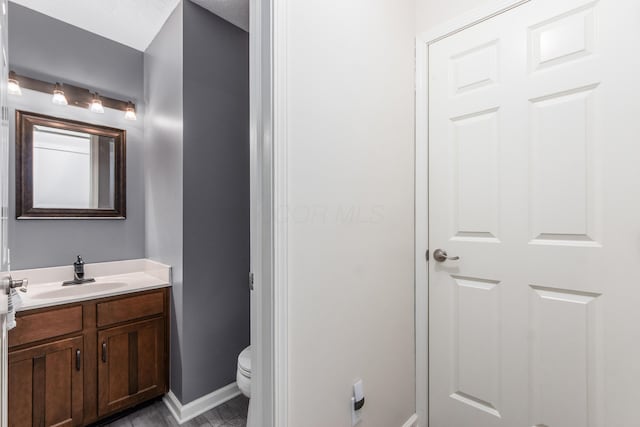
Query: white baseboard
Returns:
{"type": "Point", "coordinates": [183, 413]}
{"type": "Point", "coordinates": [412, 421]}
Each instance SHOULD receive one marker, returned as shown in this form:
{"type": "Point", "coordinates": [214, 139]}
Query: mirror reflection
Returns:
{"type": "Point", "coordinates": [72, 170]}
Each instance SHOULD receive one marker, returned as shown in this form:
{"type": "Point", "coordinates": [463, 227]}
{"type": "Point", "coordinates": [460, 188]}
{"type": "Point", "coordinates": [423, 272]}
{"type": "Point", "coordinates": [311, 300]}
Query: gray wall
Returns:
{"type": "Point", "coordinates": [197, 191]}
{"type": "Point", "coordinates": [163, 173]}
{"type": "Point", "coordinates": [47, 48]}
{"type": "Point", "coordinates": [43, 47]}
{"type": "Point", "coordinates": [216, 200]}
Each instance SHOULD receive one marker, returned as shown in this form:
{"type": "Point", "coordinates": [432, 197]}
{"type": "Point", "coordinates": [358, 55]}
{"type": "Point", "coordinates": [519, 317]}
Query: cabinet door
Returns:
{"type": "Point", "coordinates": [45, 385]}
{"type": "Point", "coordinates": [131, 365]}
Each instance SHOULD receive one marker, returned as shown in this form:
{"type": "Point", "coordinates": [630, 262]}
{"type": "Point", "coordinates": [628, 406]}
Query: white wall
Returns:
{"type": "Point", "coordinates": [431, 13]}
{"type": "Point", "coordinates": [350, 124]}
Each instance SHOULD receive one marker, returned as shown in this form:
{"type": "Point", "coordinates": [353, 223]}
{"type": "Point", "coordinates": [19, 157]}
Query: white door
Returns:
{"type": "Point", "coordinates": [534, 151]}
{"type": "Point", "coordinates": [4, 203]}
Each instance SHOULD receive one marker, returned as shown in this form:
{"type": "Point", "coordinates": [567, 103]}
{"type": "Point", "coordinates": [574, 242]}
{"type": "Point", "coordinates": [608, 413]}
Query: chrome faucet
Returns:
{"type": "Point", "coordinates": [78, 274]}
{"type": "Point", "coordinates": [78, 269]}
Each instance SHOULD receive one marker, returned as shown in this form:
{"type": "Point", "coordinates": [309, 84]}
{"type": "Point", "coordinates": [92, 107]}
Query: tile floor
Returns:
{"type": "Point", "coordinates": [230, 414]}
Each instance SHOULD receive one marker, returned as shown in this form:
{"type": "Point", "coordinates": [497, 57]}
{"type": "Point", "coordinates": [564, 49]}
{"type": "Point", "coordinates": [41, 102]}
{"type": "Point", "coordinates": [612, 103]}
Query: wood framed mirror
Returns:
{"type": "Point", "coordinates": [69, 169]}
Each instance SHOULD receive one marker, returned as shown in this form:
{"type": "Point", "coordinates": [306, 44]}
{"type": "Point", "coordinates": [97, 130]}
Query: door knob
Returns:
{"type": "Point", "coordinates": [14, 284]}
{"type": "Point", "coordinates": [441, 255]}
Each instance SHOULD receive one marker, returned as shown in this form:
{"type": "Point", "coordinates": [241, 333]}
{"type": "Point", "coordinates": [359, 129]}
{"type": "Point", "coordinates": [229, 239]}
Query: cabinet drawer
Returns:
{"type": "Point", "coordinates": [130, 308]}
{"type": "Point", "coordinates": [45, 325]}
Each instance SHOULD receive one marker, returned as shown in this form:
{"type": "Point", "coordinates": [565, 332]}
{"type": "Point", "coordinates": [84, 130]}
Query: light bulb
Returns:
{"type": "Point", "coordinates": [96, 105]}
{"type": "Point", "coordinates": [14, 85]}
{"type": "Point", "coordinates": [130, 112]}
{"type": "Point", "coordinates": [58, 96]}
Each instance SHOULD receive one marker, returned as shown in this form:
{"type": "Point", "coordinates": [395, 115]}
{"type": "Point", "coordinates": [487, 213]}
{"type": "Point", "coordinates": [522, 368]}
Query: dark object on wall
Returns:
{"type": "Point", "coordinates": [76, 96]}
{"type": "Point", "coordinates": [105, 153]}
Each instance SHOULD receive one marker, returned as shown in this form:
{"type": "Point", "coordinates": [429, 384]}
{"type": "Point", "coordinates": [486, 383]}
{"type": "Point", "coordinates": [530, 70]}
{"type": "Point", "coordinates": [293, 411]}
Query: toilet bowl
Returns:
{"type": "Point", "coordinates": [243, 378]}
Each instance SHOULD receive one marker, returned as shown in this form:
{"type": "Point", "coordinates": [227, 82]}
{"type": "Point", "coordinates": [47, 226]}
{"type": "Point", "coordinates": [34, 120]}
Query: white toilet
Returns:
{"type": "Point", "coordinates": [243, 378]}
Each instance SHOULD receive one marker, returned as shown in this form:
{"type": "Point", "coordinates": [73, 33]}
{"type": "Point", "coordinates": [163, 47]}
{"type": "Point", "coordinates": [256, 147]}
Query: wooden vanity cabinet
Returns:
{"type": "Point", "coordinates": [131, 366]}
{"type": "Point", "coordinates": [45, 384]}
{"type": "Point", "coordinates": [72, 365]}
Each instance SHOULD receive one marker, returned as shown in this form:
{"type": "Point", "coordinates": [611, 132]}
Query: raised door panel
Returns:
{"type": "Point", "coordinates": [131, 365]}
{"type": "Point", "coordinates": [564, 38]}
{"type": "Point", "coordinates": [565, 364]}
{"type": "Point", "coordinates": [475, 350]}
{"type": "Point", "coordinates": [475, 170]}
{"type": "Point", "coordinates": [563, 169]}
{"type": "Point", "coordinates": [46, 385]}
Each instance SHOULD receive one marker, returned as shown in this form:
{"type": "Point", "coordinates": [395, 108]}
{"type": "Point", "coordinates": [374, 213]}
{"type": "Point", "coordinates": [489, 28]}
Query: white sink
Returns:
{"type": "Point", "coordinates": [111, 279]}
{"type": "Point", "coordinates": [79, 290]}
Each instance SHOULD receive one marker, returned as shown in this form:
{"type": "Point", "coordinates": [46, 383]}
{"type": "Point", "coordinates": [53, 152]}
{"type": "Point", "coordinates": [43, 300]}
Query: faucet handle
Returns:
{"type": "Point", "coordinates": [78, 268]}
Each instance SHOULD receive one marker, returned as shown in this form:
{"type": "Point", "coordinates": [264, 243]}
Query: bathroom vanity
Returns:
{"type": "Point", "coordinates": [81, 353]}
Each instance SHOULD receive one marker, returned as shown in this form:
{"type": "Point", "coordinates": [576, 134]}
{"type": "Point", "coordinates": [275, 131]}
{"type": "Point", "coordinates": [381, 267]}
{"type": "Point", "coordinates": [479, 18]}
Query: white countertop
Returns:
{"type": "Point", "coordinates": [114, 278]}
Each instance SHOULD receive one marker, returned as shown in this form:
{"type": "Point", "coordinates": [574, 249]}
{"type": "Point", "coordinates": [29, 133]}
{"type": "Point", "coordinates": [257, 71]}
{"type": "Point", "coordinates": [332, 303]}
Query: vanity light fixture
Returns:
{"type": "Point", "coordinates": [58, 96]}
{"type": "Point", "coordinates": [130, 113]}
{"type": "Point", "coordinates": [73, 96]}
{"type": "Point", "coordinates": [96, 104]}
{"type": "Point", "coordinates": [14, 84]}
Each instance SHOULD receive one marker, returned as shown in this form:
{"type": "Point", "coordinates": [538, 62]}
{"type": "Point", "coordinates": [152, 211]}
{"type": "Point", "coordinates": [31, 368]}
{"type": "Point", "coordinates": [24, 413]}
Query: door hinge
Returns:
{"type": "Point", "coordinates": [426, 255]}
{"type": "Point", "coordinates": [251, 281]}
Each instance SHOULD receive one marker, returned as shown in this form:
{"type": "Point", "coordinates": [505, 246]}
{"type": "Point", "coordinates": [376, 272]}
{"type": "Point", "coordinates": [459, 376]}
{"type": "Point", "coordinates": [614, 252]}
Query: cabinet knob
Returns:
{"type": "Point", "coordinates": [104, 352]}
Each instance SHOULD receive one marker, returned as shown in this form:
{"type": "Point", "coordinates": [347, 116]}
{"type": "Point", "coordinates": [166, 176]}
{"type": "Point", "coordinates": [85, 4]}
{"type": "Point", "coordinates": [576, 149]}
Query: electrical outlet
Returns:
{"type": "Point", "coordinates": [357, 403]}
{"type": "Point", "coordinates": [356, 416]}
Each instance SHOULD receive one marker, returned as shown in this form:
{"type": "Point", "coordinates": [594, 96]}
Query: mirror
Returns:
{"type": "Point", "coordinates": [72, 170]}
{"type": "Point", "coordinates": [68, 169]}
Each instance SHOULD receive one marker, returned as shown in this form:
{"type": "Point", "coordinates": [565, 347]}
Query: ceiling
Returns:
{"type": "Point", "coordinates": [234, 11]}
{"type": "Point", "coordinates": [133, 23]}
